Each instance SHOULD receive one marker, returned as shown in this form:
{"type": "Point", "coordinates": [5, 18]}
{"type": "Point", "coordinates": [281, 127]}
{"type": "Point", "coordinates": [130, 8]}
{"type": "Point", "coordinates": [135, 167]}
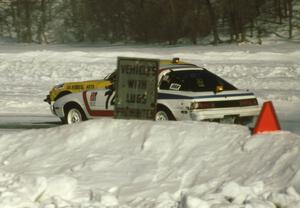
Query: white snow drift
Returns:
{"type": "Point", "coordinates": [112, 163]}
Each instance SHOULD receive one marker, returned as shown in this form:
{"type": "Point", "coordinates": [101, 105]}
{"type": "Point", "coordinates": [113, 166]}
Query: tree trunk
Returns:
{"type": "Point", "coordinates": [16, 17]}
{"type": "Point", "coordinates": [279, 10]}
{"type": "Point", "coordinates": [213, 22]}
{"type": "Point", "coordinates": [290, 8]}
{"type": "Point", "coordinates": [173, 29]}
{"type": "Point", "coordinates": [42, 23]}
{"type": "Point", "coordinates": [28, 35]}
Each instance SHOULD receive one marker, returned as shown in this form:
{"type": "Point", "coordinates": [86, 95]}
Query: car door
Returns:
{"type": "Point", "coordinates": [172, 95]}
{"type": "Point", "coordinates": [100, 102]}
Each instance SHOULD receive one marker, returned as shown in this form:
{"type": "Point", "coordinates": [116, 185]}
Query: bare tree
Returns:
{"type": "Point", "coordinates": [213, 20]}
{"type": "Point", "coordinates": [290, 12]}
{"type": "Point", "coordinates": [41, 32]}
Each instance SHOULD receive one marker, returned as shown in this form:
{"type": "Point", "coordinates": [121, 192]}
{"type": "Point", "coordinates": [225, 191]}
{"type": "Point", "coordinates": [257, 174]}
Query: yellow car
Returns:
{"type": "Point", "coordinates": [61, 90]}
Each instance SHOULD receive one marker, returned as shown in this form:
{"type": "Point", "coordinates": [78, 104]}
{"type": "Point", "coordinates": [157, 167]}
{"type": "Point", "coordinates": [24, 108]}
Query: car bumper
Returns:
{"type": "Point", "coordinates": [56, 110]}
{"type": "Point", "coordinates": [52, 109]}
{"type": "Point", "coordinates": [47, 99]}
{"type": "Point", "coordinates": [59, 112]}
{"type": "Point", "coordinates": [221, 113]}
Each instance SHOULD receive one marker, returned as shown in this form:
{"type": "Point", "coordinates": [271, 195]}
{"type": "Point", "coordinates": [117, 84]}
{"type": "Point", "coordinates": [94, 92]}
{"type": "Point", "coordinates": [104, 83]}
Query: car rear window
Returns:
{"type": "Point", "coordinates": [193, 80]}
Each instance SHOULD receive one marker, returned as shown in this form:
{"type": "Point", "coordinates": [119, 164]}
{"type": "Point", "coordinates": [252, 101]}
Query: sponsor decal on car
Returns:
{"type": "Point", "coordinates": [108, 113]}
{"type": "Point", "coordinates": [93, 98]}
{"type": "Point", "coordinates": [75, 87]}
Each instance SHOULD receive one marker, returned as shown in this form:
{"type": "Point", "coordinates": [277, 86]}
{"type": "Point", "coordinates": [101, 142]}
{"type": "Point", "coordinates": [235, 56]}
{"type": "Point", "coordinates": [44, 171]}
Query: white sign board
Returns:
{"type": "Point", "coordinates": [136, 88]}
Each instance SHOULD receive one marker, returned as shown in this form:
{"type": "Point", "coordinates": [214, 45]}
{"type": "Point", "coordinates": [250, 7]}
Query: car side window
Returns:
{"type": "Point", "coordinates": [193, 81]}
{"type": "Point", "coordinates": [201, 82]}
{"type": "Point", "coordinates": [172, 81]}
{"type": "Point", "coordinates": [196, 84]}
{"type": "Point", "coordinates": [165, 82]}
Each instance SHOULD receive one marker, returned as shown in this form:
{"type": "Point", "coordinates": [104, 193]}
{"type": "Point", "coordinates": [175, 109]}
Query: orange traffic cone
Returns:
{"type": "Point", "coordinates": [267, 120]}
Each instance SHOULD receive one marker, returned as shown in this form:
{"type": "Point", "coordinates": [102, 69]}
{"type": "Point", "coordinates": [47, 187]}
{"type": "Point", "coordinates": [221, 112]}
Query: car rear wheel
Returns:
{"type": "Point", "coordinates": [74, 115]}
{"type": "Point", "coordinates": [161, 116]}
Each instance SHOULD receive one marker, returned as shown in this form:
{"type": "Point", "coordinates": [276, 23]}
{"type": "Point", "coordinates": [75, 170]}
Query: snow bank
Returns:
{"type": "Point", "coordinates": [120, 163]}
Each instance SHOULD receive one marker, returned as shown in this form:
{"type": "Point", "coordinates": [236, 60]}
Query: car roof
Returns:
{"type": "Point", "coordinates": [178, 66]}
{"type": "Point", "coordinates": [166, 64]}
{"type": "Point", "coordinates": [174, 61]}
{"type": "Point", "coordinates": [174, 64]}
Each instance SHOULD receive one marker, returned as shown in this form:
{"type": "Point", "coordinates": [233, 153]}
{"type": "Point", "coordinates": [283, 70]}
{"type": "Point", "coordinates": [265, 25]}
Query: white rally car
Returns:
{"type": "Point", "coordinates": [185, 92]}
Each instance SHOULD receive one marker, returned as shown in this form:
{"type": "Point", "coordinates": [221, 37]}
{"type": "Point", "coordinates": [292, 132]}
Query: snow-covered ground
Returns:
{"type": "Point", "coordinates": [118, 163]}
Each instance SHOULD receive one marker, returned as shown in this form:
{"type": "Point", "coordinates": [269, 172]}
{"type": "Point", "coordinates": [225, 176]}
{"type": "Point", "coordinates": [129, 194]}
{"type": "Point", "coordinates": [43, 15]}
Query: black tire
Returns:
{"type": "Point", "coordinates": [164, 114]}
{"type": "Point", "coordinates": [73, 114]}
{"type": "Point", "coordinates": [63, 120]}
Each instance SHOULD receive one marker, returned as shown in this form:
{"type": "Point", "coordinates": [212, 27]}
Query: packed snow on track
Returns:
{"type": "Point", "coordinates": [118, 163]}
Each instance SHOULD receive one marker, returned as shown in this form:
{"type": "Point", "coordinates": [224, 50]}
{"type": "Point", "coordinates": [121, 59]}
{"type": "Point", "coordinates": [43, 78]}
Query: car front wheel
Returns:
{"type": "Point", "coordinates": [74, 115]}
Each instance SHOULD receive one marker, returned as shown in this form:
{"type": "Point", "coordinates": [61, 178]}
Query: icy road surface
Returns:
{"type": "Point", "coordinates": [14, 123]}
{"type": "Point", "coordinates": [142, 164]}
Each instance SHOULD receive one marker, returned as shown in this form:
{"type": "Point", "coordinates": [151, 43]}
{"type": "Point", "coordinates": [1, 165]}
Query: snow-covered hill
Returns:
{"type": "Point", "coordinates": [118, 163]}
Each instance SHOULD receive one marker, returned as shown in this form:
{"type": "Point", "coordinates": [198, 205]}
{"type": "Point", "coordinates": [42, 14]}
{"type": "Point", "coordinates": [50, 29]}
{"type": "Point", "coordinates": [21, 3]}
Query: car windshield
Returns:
{"type": "Point", "coordinates": [111, 76]}
{"type": "Point", "coordinates": [193, 80]}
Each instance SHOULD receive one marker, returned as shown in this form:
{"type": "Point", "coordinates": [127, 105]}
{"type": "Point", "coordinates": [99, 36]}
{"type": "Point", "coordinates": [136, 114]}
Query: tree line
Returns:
{"type": "Point", "coordinates": [144, 21]}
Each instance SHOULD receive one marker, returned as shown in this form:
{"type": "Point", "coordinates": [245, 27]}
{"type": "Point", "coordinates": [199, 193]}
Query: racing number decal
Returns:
{"type": "Point", "coordinates": [108, 113]}
{"type": "Point", "coordinates": [109, 94]}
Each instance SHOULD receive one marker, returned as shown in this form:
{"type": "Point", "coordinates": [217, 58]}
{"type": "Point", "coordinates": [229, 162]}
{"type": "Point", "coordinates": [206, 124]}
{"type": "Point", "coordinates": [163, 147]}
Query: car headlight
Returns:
{"type": "Point", "coordinates": [58, 86]}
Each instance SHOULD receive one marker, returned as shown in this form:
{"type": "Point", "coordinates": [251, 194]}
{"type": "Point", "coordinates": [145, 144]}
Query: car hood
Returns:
{"type": "Point", "coordinates": [75, 87]}
{"type": "Point", "coordinates": [86, 85]}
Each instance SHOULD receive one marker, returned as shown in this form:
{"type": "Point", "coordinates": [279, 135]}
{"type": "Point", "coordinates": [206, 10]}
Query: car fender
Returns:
{"type": "Point", "coordinates": [77, 98]}
{"type": "Point", "coordinates": [178, 109]}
